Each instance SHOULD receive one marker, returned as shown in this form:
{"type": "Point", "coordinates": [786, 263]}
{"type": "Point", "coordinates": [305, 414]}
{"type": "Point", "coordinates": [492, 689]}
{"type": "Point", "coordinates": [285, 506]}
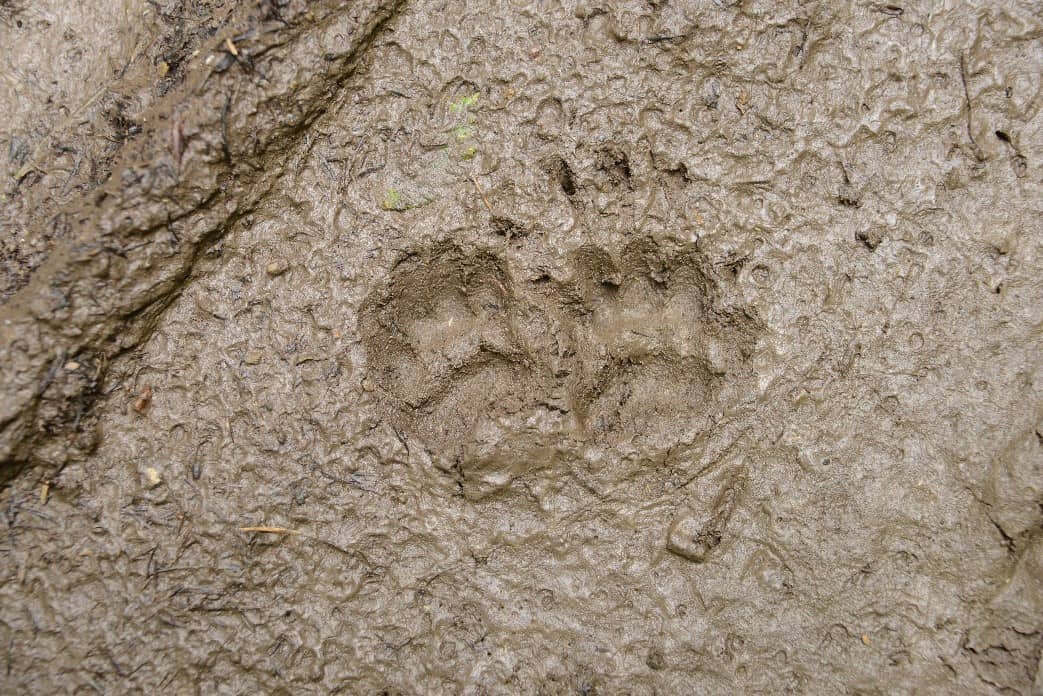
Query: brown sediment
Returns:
{"type": "Point", "coordinates": [644, 347]}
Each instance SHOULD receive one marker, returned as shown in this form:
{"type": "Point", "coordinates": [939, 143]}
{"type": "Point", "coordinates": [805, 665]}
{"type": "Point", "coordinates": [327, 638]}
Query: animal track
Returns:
{"type": "Point", "coordinates": [499, 377]}
{"type": "Point", "coordinates": [442, 343]}
{"type": "Point", "coordinates": [648, 337]}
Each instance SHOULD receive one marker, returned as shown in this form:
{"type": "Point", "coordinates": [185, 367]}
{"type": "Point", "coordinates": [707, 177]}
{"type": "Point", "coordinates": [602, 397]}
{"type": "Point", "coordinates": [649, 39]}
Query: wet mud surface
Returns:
{"type": "Point", "coordinates": [79, 78]}
{"type": "Point", "coordinates": [636, 347]}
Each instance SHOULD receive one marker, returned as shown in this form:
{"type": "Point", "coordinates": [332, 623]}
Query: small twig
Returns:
{"type": "Point", "coordinates": [177, 140]}
{"type": "Point", "coordinates": [269, 530]}
{"type": "Point", "coordinates": [967, 96]}
{"type": "Point", "coordinates": [481, 193]}
{"type": "Point", "coordinates": [74, 172]}
{"type": "Point", "coordinates": [401, 439]}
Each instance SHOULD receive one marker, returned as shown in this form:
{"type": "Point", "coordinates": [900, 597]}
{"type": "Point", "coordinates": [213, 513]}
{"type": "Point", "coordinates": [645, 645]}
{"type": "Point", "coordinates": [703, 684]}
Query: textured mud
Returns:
{"type": "Point", "coordinates": [78, 80]}
{"type": "Point", "coordinates": [636, 347]}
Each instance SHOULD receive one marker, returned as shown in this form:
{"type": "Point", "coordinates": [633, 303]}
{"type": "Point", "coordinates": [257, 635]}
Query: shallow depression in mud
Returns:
{"type": "Point", "coordinates": [472, 360]}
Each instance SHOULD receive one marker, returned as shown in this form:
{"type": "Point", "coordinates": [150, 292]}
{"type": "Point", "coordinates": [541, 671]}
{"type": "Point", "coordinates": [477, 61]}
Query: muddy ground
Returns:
{"type": "Point", "coordinates": [474, 347]}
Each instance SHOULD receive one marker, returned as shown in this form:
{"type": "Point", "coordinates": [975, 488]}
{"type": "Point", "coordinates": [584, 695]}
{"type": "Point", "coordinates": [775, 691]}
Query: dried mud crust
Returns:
{"type": "Point", "coordinates": [499, 375]}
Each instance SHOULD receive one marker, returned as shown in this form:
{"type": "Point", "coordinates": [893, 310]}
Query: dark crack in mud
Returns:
{"type": "Point", "coordinates": [632, 347]}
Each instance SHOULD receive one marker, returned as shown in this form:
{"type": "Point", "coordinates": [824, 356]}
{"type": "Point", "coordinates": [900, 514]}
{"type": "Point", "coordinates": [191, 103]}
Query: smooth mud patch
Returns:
{"type": "Point", "coordinates": [384, 347]}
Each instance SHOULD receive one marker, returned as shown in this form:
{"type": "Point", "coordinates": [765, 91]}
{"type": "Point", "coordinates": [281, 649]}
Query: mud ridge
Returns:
{"type": "Point", "coordinates": [180, 186]}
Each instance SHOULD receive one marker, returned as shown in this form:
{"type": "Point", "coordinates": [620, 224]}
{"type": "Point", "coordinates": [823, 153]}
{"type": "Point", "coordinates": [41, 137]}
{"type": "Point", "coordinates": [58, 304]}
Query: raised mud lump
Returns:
{"type": "Point", "coordinates": [694, 534]}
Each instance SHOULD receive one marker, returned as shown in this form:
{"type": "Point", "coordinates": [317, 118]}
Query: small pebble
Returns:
{"type": "Point", "coordinates": [142, 403]}
{"type": "Point", "coordinates": [277, 267]}
{"type": "Point", "coordinates": [154, 479]}
{"type": "Point", "coordinates": [72, 366]}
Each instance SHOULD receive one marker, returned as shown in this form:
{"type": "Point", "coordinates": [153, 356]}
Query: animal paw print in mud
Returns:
{"type": "Point", "coordinates": [442, 343]}
{"type": "Point", "coordinates": [499, 378]}
{"type": "Point", "coordinates": [653, 348]}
